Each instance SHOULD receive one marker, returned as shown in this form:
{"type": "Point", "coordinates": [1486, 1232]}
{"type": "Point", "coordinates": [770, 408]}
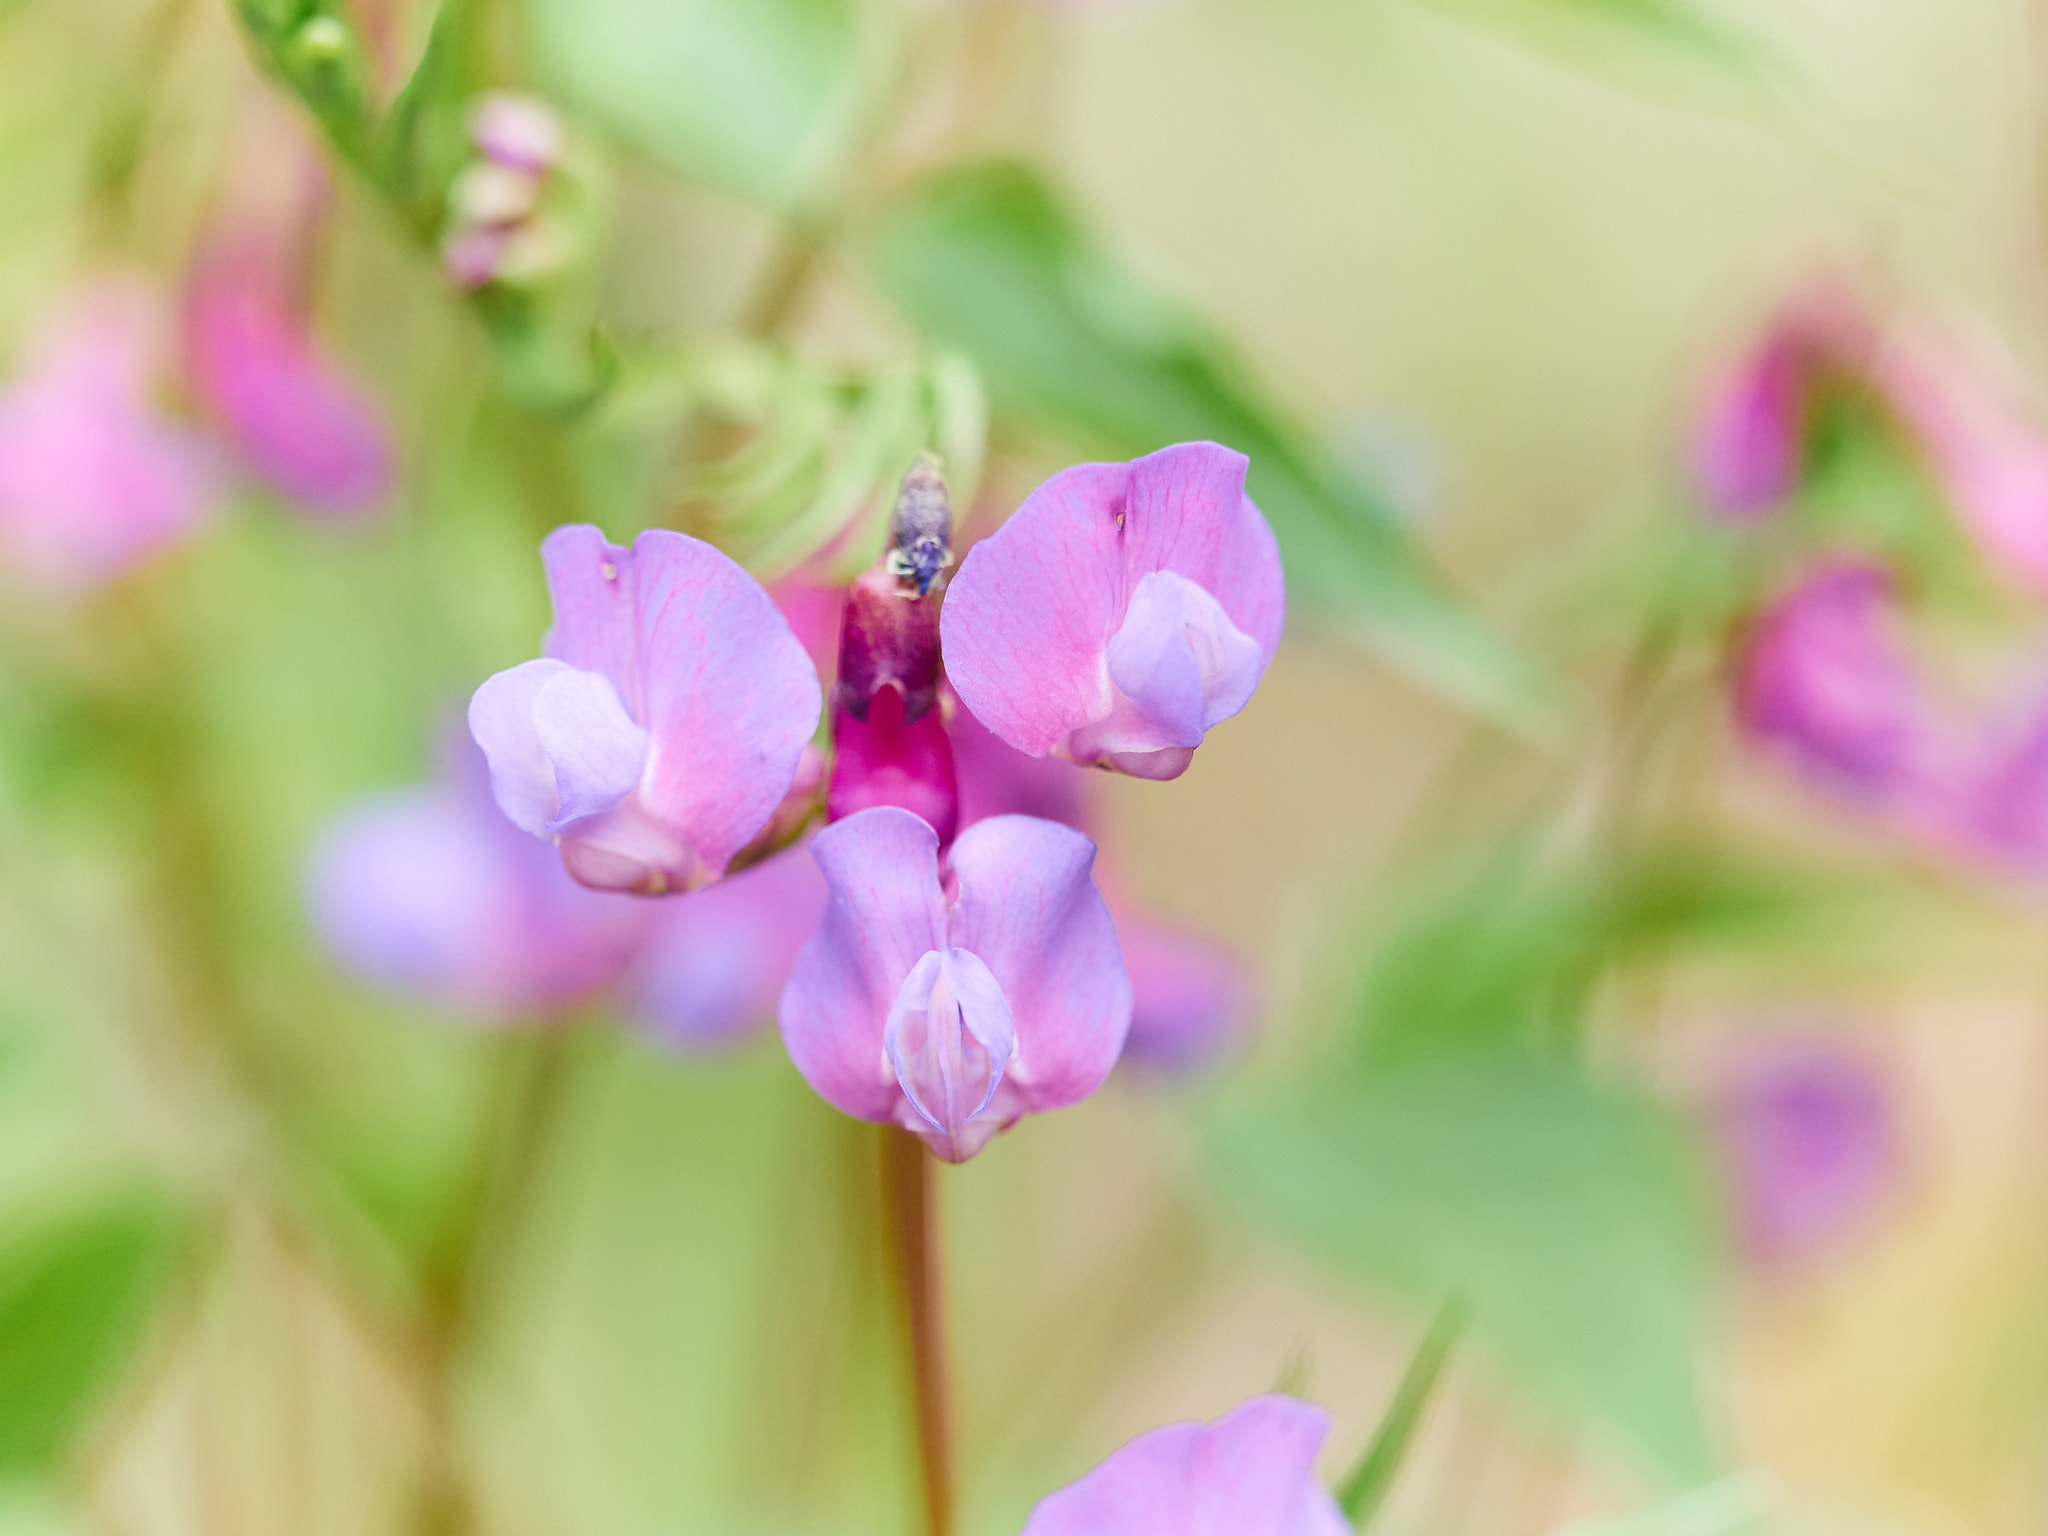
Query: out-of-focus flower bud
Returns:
{"type": "Point", "coordinates": [954, 1006]}
{"type": "Point", "coordinates": [667, 722]}
{"type": "Point", "coordinates": [1121, 612]}
{"type": "Point", "coordinates": [519, 132]}
{"type": "Point", "coordinates": [1252, 1471]}
{"type": "Point", "coordinates": [92, 479]}
{"type": "Point", "coordinates": [499, 230]}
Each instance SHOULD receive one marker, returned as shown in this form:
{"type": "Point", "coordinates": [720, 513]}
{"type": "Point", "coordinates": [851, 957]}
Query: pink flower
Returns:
{"type": "Point", "coordinates": [954, 1001]}
{"type": "Point", "coordinates": [667, 721]}
{"type": "Point", "coordinates": [296, 418]}
{"type": "Point", "coordinates": [1749, 434]}
{"type": "Point", "coordinates": [1969, 415]}
{"type": "Point", "coordinates": [1823, 679]}
{"type": "Point", "coordinates": [92, 480]}
{"type": "Point", "coordinates": [431, 891]}
{"type": "Point", "coordinates": [1251, 1473]}
{"type": "Point", "coordinates": [1121, 612]}
{"type": "Point", "coordinates": [521, 133]}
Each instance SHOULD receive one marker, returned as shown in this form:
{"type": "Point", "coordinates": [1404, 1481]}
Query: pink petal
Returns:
{"type": "Point", "coordinates": [501, 722]}
{"type": "Point", "coordinates": [704, 663]}
{"type": "Point", "coordinates": [521, 132]}
{"type": "Point", "coordinates": [302, 424]}
{"type": "Point", "coordinates": [1031, 616]}
{"type": "Point", "coordinates": [995, 779]}
{"type": "Point", "coordinates": [883, 761]}
{"type": "Point", "coordinates": [886, 913]}
{"type": "Point", "coordinates": [1251, 1473]}
{"type": "Point", "coordinates": [718, 958]}
{"type": "Point", "coordinates": [1030, 910]}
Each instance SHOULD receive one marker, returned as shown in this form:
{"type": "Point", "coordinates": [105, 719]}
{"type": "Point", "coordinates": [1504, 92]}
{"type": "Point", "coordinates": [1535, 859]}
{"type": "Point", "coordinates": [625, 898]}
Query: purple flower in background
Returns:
{"type": "Point", "coordinates": [952, 1002]}
{"type": "Point", "coordinates": [1121, 612]}
{"type": "Point", "coordinates": [1810, 1133]}
{"type": "Point", "coordinates": [92, 480]}
{"type": "Point", "coordinates": [1251, 1473]}
{"type": "Point", "coordinates": [1189, 998]}
{"type": "Point", "coordinates": [431, 891]}
{"type": "Point", "coordinates": [496, 231]}
{"type": "Point", "coordinates": [666, 722]}
{"type": "Point", "coordinates": [296, 418]}
{"type": "Point", "coordinates": [716, 960]}
{"type": "Point", "coordinates": [1822, 678]}
{"type": "Point", "coordinates": [521, 133]}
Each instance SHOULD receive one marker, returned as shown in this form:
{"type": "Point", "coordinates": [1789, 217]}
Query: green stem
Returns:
{"type": "Point", "coordinates": [1366, 1488]}
{"type": "Point", "coordinates": [910, 1223]}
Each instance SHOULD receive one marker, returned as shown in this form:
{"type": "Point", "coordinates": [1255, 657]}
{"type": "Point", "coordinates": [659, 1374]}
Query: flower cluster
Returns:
{"type": "Point", "coordinates": [966, 970]}
{"type": "Point", "coordinates": [1825, 677]}
{"type": "Point", "coordinates": [497, 230]}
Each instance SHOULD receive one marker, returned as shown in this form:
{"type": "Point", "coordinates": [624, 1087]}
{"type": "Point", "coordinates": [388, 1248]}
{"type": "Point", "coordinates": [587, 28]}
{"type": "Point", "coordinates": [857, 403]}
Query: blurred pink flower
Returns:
{"type": "Point", "coordinates": [92, 479]}
{"type": "Point", "coordinates": [294, 416]}
{"type": "Point", "coordinates": [1251, 1473]}
{"type": "Point", "coordinates": [665, 725]}
{"type": "Point", "coordinates": [1121, 612]}
{"type": "Point", "coordinates": [1749, 430]}
{"type": "Point", "coordinates": [952, 1001]}
{"type": "Point", "coordinates": [496, 229]}
{"type": "Point", "coordinates": [1966, 409]}
{"type": "Point", "coordinates": [716, 960]}
{"type": "Point", "coordinates": [431, 891]}
{"type": "Point", "coordinates": [1823, 679]}
{"type": "Point", "coordinates": [1809, 1129]}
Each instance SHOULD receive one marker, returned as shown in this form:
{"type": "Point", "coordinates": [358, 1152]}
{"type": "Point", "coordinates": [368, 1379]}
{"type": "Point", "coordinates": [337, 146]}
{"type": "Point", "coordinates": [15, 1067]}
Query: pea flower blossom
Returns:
{"type": "Point", "coordinates": [1121, 612]}
{"type": "Point", "coordinates": [1251, 1473]}
{"type": "Point", "coordinates": [658, 735]}
{"type": "Point", "coordinates": [953, 1001]}
{"type": "Point", "coordinates": [92, 479]}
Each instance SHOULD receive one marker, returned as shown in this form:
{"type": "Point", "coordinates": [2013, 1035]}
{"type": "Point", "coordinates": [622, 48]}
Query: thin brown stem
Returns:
{"type": "Point", "coordinates": [910, 1222]}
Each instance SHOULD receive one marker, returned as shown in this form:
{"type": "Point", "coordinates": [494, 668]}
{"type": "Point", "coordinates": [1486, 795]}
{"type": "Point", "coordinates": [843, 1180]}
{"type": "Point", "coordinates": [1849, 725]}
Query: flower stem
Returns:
{"type": "Point", "coordinates": [1366, 1488]}
{"type": "Point", "coordinates": [910, 1224]}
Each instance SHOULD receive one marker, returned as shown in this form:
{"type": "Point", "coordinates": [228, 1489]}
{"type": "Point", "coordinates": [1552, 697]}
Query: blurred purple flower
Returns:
{"type": "Point", "coordinates": [431, 891]}
{"type": "Point", "coordinates": [1823, 679]}
{"type": "Point", "coordinates": [667, 721]}
{"type": "Point", "coordinates": [952, 1002]}
{"type": "Point", "coordinates": [1251, 1473]}
{"type": "Point", "coordinates": [1810, 1133]}
{"type": "Point", "coordinates": [521, 133]}
{"type": "Point", "coordinates": [1121, 612]}
{"type": "Point", "coordinates": [716, 961]}
{"type": "Point", "coordinates": [496, 231]}
{"type": "Point", "coordinates": [92, 480]}
{"type": "Point", "coordinates": [295, 417]}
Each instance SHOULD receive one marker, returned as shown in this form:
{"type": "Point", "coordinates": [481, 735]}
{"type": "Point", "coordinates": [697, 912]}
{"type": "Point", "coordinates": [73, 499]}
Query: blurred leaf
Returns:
{"type": "Point", "coordinates": [76, 1297]}
{"type": "Point", "coordinates": [1568, 1217]}
{"type": "Point", "coordinates": [984, 258]}
{"type": "Point", "coordinates": [1506, 950]}
{"type": "Point", "coordinates": [743, 94]}
{"type": "Point", "coordinates": [423, 141]}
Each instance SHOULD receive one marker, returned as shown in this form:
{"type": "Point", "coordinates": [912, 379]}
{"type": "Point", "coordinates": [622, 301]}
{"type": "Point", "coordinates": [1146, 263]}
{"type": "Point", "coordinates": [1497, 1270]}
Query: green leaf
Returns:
{"type": "Point", "coordinates": [1569, 1217]}
{"type": "Point", "coordinates": [985, 259]}
{"type": "Point", "coordinates": [742, 94]}
{"type": "Point", "coordinates": [1365, 1489]}
{"type": "Point", "coordinates": [76, 1297]}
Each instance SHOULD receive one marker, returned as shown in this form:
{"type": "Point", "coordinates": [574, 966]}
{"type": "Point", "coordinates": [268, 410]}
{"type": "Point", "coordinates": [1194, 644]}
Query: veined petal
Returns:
{"type": "Point", "coordinates": [948, 1037]}
{"type": "Point", "coordinates": [1251, 1473]}
{"type": "Point", "coordinates": [1186, 511]}
{"type": "Point", "coordinates": [1029, 909]}
{"type": "Point", "coordinates": [884, 914]}
{"type": "Point", "coordinates": [596, 751]}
